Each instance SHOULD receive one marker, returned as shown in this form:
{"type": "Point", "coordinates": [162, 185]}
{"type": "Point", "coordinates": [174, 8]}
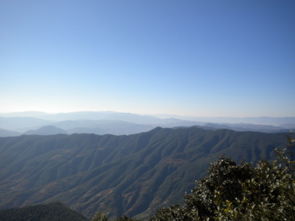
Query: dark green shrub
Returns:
{"type": "Point", "coordinates": [239, 192]}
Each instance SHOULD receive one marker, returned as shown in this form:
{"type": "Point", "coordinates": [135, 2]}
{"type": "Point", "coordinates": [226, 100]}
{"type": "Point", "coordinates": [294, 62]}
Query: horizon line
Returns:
{"type": "Point", "coordinates": [168, 115]}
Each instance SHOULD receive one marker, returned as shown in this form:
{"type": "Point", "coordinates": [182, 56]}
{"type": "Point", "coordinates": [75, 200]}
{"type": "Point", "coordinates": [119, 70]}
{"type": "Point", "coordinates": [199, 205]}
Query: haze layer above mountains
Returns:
{"type": "Point", "coordinates": [14, 124]}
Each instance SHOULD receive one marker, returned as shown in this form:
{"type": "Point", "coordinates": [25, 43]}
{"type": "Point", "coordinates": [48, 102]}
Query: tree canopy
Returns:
{"type": "Point", "coordinates": [235, 192]}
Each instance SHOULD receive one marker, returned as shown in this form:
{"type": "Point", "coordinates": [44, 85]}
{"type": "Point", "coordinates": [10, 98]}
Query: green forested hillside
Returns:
{"type": "Point", "coordinates": [49, 212]}
{"type": "Point", "coordinates": [131, 175]}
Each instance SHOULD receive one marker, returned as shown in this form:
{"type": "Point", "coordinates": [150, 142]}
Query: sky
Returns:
{"type": "Point", "coordinates": [209, 58]}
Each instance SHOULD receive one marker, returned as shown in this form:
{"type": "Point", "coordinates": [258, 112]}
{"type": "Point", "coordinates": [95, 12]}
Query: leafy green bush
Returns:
{"type": "Point", "coordinates": [239, 192]}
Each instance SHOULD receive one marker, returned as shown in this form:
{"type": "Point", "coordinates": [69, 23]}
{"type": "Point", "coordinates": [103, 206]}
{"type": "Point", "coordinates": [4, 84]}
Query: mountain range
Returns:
{"type": "Point", "coordinates": [131, 175]}
{"type": "Point", "coordinates": [116, 123]}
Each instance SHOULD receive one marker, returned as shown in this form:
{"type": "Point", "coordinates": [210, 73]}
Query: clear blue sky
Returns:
{"type": "Point", "coordinates": [187, 57]}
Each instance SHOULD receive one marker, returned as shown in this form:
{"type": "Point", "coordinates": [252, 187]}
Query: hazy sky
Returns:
{"type": "Point", "coordinates": [188, 57]}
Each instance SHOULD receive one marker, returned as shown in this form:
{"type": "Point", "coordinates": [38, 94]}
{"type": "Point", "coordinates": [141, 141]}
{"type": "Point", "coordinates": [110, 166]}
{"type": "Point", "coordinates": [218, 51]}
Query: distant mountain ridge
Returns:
{"type": "Point", "coordinates": [126, 123]}
{"type": "Point", "coordinates": [88, 122]}
{"type": "Point", "coordinates": [8, 133]}
{"type": "Point", "coordinates": [152, 119]}
{"type": "Point", "coordinates": [247, 127]}
{"type": "Point", "coordinates": [21, 124]}
{"type": "Point", "coordinates": [46, 130]}
{"type": "Point", "coordinates": [115, 127]}
{"type": "Point", "coordinates": [132, 175]}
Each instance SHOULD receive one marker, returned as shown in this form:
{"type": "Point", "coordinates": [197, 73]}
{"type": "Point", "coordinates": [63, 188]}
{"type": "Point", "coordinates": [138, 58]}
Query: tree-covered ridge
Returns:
{"type": "Point", "coordinates": [120, 175]}
{"type": "Point", "coordinates": [229, 192]}
{"type": "Point", "coordinates": [237, 192]}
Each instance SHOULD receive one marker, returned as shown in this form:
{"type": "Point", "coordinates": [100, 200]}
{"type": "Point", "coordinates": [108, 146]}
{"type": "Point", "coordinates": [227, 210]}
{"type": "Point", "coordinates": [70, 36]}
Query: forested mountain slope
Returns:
{"type": "Point", "coordinates": [130, 175]}
{"type": "Point", "coordinates": [49, 212]}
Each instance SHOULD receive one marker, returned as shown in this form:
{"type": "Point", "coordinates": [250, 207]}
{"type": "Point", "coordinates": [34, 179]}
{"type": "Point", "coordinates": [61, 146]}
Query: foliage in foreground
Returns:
{"type": "Point", "coordinates": [238, 193]}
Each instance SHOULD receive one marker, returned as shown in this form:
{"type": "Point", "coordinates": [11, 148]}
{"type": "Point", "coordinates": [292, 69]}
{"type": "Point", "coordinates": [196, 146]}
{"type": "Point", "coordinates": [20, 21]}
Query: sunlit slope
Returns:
{"type": "Point", "coordinates": [119, 174]}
